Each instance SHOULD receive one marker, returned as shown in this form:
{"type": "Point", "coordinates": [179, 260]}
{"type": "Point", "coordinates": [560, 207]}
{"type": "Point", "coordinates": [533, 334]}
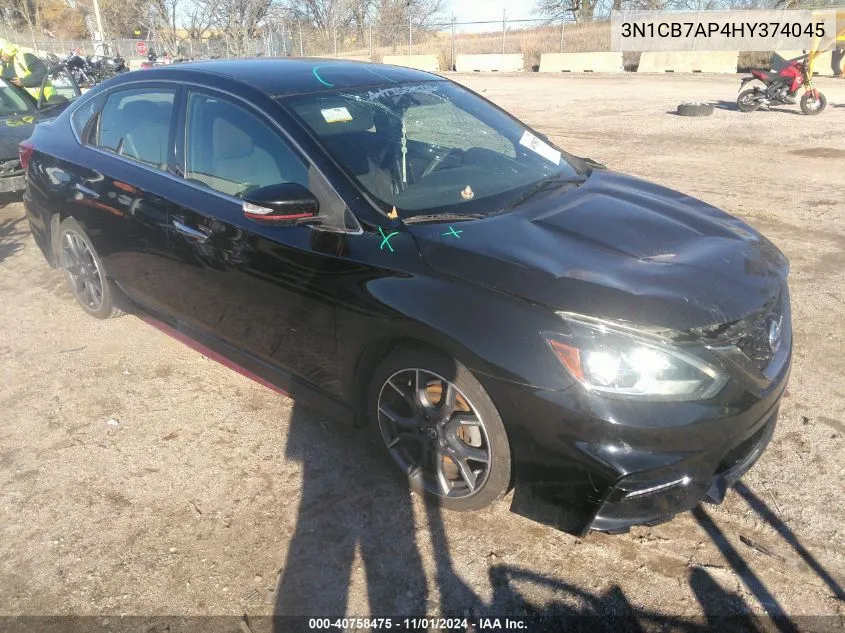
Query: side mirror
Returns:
{"type": "Point", "coordinates": [285, 204]}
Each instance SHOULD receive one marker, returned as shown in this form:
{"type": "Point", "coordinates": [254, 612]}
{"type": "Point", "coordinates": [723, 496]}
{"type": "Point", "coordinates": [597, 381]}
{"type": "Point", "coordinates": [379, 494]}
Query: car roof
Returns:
{"type": "Point", "coordinates": [288, 76]}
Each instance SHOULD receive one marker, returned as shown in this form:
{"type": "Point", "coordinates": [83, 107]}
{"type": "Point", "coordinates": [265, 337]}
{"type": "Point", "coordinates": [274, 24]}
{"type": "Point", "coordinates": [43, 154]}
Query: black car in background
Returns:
{"type": "Point", "coordinates": [390, 246]}
{"type": "Point", "coordinates": [19, 112]}
{"type": "Point", "coordinates": [17, 120]}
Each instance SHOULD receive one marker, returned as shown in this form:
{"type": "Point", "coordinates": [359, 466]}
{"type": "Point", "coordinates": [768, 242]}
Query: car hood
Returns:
{"type": "Point", "coordinates": [615, 247]}
{"type": "Point", "coordinates": [13, 130]}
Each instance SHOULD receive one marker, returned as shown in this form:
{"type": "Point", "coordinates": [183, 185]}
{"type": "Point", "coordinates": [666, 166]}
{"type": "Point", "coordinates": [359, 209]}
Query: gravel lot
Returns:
{"type": "Point", "coordinates": [138, 477]}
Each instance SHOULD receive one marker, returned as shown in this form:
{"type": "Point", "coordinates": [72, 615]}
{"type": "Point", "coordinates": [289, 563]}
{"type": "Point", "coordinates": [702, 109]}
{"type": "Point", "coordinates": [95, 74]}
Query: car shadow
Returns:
{"type": "Point", "coordinates": [13, 231]}
{"type": "Point", "coordinates": [765, 513]}
{"type": "Point", "coordinates": [353, 516]}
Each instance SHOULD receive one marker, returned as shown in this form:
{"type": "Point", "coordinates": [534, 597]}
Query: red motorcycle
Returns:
{"type": "Point", "coordinates": [781, 88]}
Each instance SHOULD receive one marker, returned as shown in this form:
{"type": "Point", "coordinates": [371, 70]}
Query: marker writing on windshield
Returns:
{"type": "Point", "coordinates": [386, 240]}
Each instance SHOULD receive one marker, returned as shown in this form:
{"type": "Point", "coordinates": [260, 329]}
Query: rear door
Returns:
{"type": "Point", "coordinates": [268, 291]}
{"type": "Point", "coordinates": [119, 184]}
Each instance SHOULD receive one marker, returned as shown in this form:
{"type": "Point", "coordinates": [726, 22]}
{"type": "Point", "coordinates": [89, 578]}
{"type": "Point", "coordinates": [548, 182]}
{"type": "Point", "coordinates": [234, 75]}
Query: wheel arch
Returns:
{"type": "Point", "coordinates": [370, 358]}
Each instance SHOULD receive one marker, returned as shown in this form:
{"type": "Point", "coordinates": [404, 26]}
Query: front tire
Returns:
{"type": "Point", "coordinates": [84, 271]}
{"type": "Point", "coordinates": [747, 100]}
{"type": "Point", "coordinates": [440, 428]}
{"type": "Point", "coordinates": [810, 105]}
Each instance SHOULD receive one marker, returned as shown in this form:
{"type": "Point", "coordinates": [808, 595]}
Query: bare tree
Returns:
{"type": "Point", "coordinates": [398, 13]}
{"type": "Point", "coordinates": [240, 21]}
{"type": "Point", "coordinates": [567, 10]}
{"type": "Point", "coordinates": [198, 19]}
{"type": "Point", "coordinates": [161, 20]}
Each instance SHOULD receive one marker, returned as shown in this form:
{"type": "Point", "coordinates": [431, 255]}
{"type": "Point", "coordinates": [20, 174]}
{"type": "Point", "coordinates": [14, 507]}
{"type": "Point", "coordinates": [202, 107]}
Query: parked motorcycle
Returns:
{"type": "Point", "coordinates": [781, 88]}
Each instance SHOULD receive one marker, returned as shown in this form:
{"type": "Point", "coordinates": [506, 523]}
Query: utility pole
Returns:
{"type": "Point", "coordinates": [452, 45]}
{"type": "Point", "coordinates": [504, 27]}
{"type": "Point", "coordinates": [99, 20]}
{"type": "Point", "coordinates": [301, 48]}
{"type": "Point", "coordinates": [410, 31]}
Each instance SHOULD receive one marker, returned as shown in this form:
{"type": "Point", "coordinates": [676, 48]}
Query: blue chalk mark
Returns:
{"type": "Point", "coordinates": [386, 240]}
{"type": "Point", "coordinates": [320, 79]}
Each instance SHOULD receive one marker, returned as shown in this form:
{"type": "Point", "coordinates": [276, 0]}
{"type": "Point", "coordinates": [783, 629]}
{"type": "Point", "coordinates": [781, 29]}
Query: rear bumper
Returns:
{"type": "Point", "coordinates": [584, 463]}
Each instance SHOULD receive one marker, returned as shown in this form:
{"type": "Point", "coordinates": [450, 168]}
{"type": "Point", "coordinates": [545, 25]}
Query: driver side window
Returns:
{"type": "Point", "coordinates": [232, 151]}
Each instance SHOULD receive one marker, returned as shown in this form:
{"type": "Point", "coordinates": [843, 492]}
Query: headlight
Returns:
{"type": "Point", "coordinates": [617, 360]}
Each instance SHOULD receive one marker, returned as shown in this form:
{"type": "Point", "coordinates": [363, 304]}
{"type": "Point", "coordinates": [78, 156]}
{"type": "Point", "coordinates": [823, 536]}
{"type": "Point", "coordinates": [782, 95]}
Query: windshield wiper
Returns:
{"type": "Point", "coordinates": [444, 217]}
{"type": "Point", "coordinates": [542, 184]}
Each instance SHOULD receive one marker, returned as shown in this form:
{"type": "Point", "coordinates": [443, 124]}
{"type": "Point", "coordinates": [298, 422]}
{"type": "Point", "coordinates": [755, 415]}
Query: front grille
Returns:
{"type": "Point", "coordinates": [754, 342]}
{"type": "Point", "coordinates": [752, 334]}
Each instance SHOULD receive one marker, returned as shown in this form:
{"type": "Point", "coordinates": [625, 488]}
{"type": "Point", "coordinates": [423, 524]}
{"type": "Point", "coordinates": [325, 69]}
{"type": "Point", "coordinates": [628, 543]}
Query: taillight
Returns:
{"type": "Point", "coordinates": [25, 149]}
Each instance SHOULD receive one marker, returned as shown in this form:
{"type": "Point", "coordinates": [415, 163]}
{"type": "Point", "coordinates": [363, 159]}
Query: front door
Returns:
{"type": "Point", "coordinates": [268, 291]}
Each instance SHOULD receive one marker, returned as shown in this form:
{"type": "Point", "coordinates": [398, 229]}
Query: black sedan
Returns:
{"type": "Point", "coordinates": [390, 246]}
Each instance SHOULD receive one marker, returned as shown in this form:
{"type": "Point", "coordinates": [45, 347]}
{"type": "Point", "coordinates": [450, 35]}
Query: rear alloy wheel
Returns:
{"type": "Point", "coordinates": [84, 271]}
{"type": "Point", "coordinates": [748, 100]}
{"type": "Point", "coordinates": [442, 430]}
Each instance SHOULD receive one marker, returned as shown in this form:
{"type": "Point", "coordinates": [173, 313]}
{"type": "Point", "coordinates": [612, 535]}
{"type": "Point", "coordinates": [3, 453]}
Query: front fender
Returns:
{"type": "Point", "coordinates": [491, 333]}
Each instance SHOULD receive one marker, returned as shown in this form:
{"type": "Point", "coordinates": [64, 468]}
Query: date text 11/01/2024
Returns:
{"type": "Point", "coordinates": [419, 624]}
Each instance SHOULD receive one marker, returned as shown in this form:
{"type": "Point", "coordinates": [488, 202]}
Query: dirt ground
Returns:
{"type": "Point", "coordinates": [138, 477]}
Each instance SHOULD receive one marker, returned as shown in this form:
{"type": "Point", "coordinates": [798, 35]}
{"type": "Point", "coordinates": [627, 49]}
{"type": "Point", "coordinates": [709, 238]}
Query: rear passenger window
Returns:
{"type": "Point", "coordinates": [136, 124]}
{"type": "Point", "coordinates": [82, 118]}
{"type": "Point", "coordinates": [232, 151]}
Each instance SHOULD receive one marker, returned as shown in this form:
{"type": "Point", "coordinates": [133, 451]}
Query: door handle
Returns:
{"type": "Point", "coordinates": [187, 230]}
{"type": "Point", "coordinates": [85, 191]}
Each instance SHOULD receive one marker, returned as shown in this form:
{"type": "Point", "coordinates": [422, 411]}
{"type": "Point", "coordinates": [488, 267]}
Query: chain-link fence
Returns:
{"type": "Point", "coordinates": [446, 40]}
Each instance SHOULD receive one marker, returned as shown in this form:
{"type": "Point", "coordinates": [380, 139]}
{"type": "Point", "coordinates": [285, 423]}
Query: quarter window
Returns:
{"type": "Point", "coordinates": [232, 151]}
{"type": "Point", "coordinates": [82, 119]}
{"type": "Point", "coordinates": [136, 124]}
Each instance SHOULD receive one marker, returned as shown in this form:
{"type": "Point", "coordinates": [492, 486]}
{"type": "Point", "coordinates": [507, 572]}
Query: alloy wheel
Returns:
{"type": "Point", "coordinates": [82, 270]}
{"type": "Point", "coordinates": [434, 433]}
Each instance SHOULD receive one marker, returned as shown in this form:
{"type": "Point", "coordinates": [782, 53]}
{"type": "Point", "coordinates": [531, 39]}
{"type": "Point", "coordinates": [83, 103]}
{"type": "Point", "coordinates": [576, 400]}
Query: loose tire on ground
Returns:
{"type": "Point", "coordinates": [498, 474]}
{"type": "Point", "coordinates": [695, 109]}
{"type": "Point", "coordinates": [100, 305]}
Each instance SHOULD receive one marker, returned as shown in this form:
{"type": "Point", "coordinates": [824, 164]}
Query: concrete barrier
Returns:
{"type": "Point", "coordinates": [581, 62]}
{"type": "Point", "coordinates": [715, 62]}
{"type": "Point", "coordinates": [351, 58]}
{"type": "Point", "coordinates": [822, 62]}
{"type": "Point", "coordinates": [490, 63]}
{"type": "Point", "coordinates": [430, 63]}
{"type": "Point", "coordinates": [688, 62]}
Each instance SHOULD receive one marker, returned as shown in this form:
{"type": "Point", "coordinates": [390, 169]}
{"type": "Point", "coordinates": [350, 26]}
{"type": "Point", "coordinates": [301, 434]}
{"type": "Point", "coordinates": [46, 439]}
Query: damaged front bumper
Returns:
{"type": "Point", "coordinates": [582, 462]}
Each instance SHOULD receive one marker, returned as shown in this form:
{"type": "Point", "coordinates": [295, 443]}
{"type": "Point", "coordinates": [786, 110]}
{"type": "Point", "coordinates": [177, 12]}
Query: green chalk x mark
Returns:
{"type": "Point", "coordinates": [386, 239]}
